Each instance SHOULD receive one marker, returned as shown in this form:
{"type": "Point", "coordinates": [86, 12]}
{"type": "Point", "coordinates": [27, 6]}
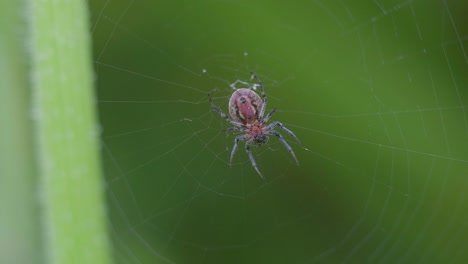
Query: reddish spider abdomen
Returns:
{"type": "Point", "coordinates": [247, 112]}
{"type": "Point", "coordinates": [243, 105]}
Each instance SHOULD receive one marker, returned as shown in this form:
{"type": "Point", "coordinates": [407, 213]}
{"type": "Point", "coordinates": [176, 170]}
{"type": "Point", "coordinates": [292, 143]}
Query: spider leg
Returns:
{"type": "Point", "coordinates": [233, 85]}
{"type": "Point", "coordinates": [236, 144]}
{"type": "Point", "coordinates": [234, 128]}
{"type": "Point", "coordinates": [279, 124]}
{"type": "Point", "coordinates": [264, 97]}
{"type": "Point", "coordinates": [285, 144]}
{"type": "Point", "coordinates": [262, 90]}
{"type": "Point", "coordinates": [252, 160]}
{"type": "Point", "coordinates": [268, 116]}
{"type": "Point", "coordinates": [222, 114]}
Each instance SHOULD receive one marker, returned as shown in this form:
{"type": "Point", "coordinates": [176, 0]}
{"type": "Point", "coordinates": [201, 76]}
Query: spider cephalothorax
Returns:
{"type": "Point", "coordinates": [247, 109]}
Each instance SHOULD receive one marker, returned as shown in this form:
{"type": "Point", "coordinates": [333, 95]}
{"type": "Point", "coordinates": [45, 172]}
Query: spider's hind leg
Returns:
{"type": "Point", "coordinates": [260, 83]}
{"type": "Point", "coordinates": [234, 148]}
{"type": "Point", "coordinates": [264, 97]}
{"type": "Point", "coordinates": [222, 114]}
{"type": "Point", "coordinates": [252, 160]}
{"type": "Point", "coordinates": [234, 129]}
{"type": "Point", "coordinates": [268, 116]}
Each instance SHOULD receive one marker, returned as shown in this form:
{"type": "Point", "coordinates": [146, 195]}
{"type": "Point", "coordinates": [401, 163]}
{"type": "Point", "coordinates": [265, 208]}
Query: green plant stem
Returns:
{"type": "Point", "coordinates": [71, 191]}
{"type": "Point", "coordinates": [19, 217]}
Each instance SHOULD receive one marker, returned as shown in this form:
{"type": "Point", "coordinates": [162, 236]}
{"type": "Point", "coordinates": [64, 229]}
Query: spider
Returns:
{"type": "Point", "coordinates": [247, 111]}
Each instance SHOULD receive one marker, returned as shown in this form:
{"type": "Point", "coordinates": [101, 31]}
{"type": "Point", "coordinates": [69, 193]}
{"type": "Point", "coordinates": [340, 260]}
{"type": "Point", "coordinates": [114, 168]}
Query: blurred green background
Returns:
{"type": "Point", "coordinates": [375, 90]}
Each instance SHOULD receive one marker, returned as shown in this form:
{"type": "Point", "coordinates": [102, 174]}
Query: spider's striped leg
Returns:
{"type": "Point", "coordinates": [285, 144]}
{"type": "Point", "coordinates": [262, 90]}
{"type": "Point", "coordinates": [234, 128]}
{"type": "Point", "coordinates": [252, 160]}
{"type": "Point", "coordinates": [264, 97]}
{"type": "Point", "coordinates": [268, 116]}
{"type": "Point", "coordinates": [222, 114]}
{"type": "Point", "coordinates": [236, 144]}
{"type": "Point", "coordinates": [278, 124]}
{"type": "Point", "coordinates": [233, 85]}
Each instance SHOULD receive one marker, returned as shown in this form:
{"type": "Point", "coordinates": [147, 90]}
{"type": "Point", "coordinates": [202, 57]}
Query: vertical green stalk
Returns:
{"type": "Point", "coordinates": [19, 217]}
{"type": "Point", "coordinates": [66, 133]}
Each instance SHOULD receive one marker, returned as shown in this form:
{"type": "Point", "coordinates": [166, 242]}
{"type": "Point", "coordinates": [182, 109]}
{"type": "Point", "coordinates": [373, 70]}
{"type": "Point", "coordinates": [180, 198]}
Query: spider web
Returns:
{"type": "Point", "coordinates": [375, 90]}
